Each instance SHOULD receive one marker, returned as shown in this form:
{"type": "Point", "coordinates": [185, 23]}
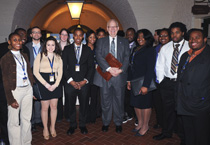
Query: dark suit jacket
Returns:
{"type": "Point", "coordinates": [143, 65]}
{"type": "Point", "coordinates": [69, 62]}
{"type": "Point", "coordinates": [123, 53]}
{"type": "Point", "coordinates": [193, 91]}
{"type": "Point", "coordinates": [8, 66]}
{"type": "Point", "coordinates": [30, 48]}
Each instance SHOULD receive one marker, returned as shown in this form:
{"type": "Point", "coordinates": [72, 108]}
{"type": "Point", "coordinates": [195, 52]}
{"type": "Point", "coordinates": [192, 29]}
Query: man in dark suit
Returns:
{"type": "Point", "coordinates": [35, 47]}
{"type": "Point", "coordinates": [112, 92]}
{"type": "Point", "coordinates": [78, 66]}
{"type": "Point", "coordinates": [193, 99]}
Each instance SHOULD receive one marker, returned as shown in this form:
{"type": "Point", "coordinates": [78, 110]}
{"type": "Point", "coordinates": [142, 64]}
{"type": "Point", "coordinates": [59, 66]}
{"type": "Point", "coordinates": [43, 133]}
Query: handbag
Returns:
{"type": "Point", "coordinates": [36, 91]}
{"type": "Point", "coordinates": [137, 84]}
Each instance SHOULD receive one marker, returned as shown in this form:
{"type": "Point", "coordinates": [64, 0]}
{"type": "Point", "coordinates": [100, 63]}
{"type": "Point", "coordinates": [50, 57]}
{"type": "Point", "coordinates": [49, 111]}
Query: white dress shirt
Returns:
{"type": "Point", "coordinates": [163, 64]}
{"type": "Point", "coordinates": [80, 52]}
{"type": "Point", "coordinates": [19, 71]}
{"type": "Point", "coordinates": [115, 42]}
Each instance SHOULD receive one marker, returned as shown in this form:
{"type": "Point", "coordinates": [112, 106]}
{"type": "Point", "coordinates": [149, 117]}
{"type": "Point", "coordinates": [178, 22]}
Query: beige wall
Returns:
{"type": "Point", "coordinates": [155, 14]}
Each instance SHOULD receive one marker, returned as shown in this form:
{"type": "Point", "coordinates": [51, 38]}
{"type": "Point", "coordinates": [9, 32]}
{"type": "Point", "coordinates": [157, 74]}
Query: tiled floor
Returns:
{"type": "Point", "coordinates": [96, 137]}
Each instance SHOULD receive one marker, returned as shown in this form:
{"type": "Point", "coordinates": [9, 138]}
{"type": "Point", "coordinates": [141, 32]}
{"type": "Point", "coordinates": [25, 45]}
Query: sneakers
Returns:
{"type": "Point", "coordinates": [126, 119]}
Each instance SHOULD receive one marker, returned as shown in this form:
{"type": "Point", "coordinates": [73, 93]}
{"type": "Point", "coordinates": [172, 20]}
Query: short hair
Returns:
{"type": "Point", "coordinates": [131, 29]}
{"type": "Point", "coordinates": [205, 35]}
{"type": "Point", "coordinates": [89, 32]}
{"type": "Point", "coordinates": [158, 31]}
{"type": "Point", "coordinates": [100, 30]}
{"type": "Point", "coordinates": [12, 34]}
{"type": "Point", "coordinates": [19, 29]}
{"type": "Point", "coordinates": [64, 29]}
{"type": "Point", "coordinates": [178, 25]}
{"type": "Point", "coordinates": [147, 36]}
{"type": "Point", "coordinates": [57, 50]}
{"type": "Point", "coordinates": [35, 27]}
{"type": "Point", "coordinates": [167, 30]}
{"type": "Point", "coordinates": [113, 21]}
{"type": "Point", "coordinates": [78, 29]}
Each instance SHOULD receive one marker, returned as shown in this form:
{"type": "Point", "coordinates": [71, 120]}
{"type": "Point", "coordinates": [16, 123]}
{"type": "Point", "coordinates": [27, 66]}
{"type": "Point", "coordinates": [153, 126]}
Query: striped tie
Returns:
{"type": "Point", "coordinates": [174, 61]}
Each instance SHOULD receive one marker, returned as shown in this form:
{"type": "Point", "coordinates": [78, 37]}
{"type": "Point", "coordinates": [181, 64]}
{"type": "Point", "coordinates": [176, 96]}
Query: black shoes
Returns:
{"type": "Point", "coordinates": [33, 127]}
{"type": "Point", "coordinates": [83, 130]}
{"type": "Point", "coordinates": [105, 128]}
{"type": "Point", "coordinates": [160, 137]}
{"type": "Point", "coordinates": [71, 130]}
{"type": "Point", "coordinates": [118, 129]}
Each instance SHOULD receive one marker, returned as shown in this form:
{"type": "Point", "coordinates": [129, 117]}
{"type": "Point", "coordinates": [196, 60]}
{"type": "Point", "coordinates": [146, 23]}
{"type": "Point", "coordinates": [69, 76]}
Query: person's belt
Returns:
{"type": "Point", "coordinates": [22, 86]}
{"type": "Point", "coordinates": [171, 79]}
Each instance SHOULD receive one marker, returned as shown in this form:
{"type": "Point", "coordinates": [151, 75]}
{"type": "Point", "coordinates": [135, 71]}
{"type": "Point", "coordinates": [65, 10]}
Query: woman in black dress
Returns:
{"type": "Point", "coordinates": [94, 90]}
{"type": "Point", "coordinates": [48, 70]}
{"type": "Point", "coordinates": [142, 63]}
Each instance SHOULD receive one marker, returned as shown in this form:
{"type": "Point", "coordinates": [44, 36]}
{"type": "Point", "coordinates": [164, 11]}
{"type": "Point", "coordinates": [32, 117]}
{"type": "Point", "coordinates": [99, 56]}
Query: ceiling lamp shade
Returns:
{"type": "Point", "coordinates": [75, 8]}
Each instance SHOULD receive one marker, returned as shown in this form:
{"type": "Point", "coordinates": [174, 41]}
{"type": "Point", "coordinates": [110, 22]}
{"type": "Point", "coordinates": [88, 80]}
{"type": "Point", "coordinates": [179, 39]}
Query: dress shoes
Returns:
{"type": "Point", "coordinates": [160, 137]}
{"type": "Point", "coordinates": [138, 134]}
{"type": "Point", "coordinates": [105, 128]}
{"type": "Point", "coordinates": [71, 130]}
{"type": "Point", "coordinates": [135, 130]}
{"type": "Point", "coordinates": [118, 129]}
{"type": "Point", "coordinates": [40, 124]}
{"type": "Point", "coordinates": [83, 130]}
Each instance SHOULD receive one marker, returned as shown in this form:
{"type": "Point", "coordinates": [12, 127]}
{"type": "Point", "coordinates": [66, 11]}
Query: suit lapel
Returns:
{"type": "Point", "coordinates": [119, 45]}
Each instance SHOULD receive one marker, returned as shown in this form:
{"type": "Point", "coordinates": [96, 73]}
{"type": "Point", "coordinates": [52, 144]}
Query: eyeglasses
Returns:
{"type": "Point", "coordinates": [163, 35]}
{"type": "Point", "coordinates": [112, 27]}
{"type": "Point", "coordinates": [36, 32]}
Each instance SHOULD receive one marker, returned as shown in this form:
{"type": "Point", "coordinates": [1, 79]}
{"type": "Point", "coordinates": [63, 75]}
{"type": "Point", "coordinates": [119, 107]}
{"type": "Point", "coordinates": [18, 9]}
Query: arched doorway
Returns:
{"type": "Point", "coordinates": [120, 10]}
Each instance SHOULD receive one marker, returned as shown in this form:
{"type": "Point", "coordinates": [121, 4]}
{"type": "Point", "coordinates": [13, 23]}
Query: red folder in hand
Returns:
{"type": "Point", "coordinates": [113, 62]}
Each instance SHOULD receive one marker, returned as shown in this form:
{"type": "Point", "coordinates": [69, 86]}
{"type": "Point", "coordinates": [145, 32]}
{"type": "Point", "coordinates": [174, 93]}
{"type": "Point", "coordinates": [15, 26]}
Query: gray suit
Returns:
{"type": "Point", "coordinates": [36, 114]}
{"type": "Point", "coordinates": [112, 92]}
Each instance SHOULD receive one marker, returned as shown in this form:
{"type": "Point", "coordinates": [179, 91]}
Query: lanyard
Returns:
{"type": "Point", "coordinates": [132, 58]}
{"type": "Point", "coordinates": [22, 65]}
{"type": "Point", "coordinates": [186, 62]}
{"type": "Point", "coordinates": [51, 64]}
{"type": "Point", "coordinates": [36, 52]}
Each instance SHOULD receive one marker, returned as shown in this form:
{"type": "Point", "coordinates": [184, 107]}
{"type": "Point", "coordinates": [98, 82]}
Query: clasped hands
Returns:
{"type": "Point", "coordinates": [114, 71]}
{"type": "Point", "coordinates": [50, 87]}
{"type": "Point", "coordinates": [78, 85]}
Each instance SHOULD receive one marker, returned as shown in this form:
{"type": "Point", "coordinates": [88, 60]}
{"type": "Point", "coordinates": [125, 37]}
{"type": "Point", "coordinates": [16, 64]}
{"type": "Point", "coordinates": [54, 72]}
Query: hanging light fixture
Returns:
{"type": "Point", "coordinates": [75, 8]}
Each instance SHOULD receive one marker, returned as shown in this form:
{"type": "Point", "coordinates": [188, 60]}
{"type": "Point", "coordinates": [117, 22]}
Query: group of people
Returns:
{"type": "Point", "coordinates": [34, 75]}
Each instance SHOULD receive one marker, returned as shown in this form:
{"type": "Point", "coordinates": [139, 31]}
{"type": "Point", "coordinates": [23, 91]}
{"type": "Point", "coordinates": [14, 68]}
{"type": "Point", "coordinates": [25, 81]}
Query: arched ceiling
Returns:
{"type": "Point", "coordinates": [28, 11]}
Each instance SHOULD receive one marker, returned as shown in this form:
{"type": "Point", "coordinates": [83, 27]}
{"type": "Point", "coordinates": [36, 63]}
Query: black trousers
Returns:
{"type": "Point", "coordinates": [127, 107]}
{"type": "Point", "coordinates": [167, 89]}
{"type": "Point", "coordinates": [157, 103]}
{"type": "Point", "coordinates": [72, 94]}
{"type": "Point", "coordinates": [93, 96]}
{"type": "Point", "coordinates": [3, 115]}
{"type": "Point", "coordinates": [66, 104]}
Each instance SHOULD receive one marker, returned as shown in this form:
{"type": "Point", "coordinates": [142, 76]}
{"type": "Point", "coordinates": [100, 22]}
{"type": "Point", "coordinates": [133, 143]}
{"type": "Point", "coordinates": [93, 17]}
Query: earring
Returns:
{"type": "Point", "coordinates": [9, 47]}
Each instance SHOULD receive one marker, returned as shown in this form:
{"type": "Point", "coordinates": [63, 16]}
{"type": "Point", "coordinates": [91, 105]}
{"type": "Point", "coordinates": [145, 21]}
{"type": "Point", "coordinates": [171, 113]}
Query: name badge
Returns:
{"type": "Point", "coordinates": [51, 78]}
{"type": "Point", "coordinates": [77, 67]}
{"type": "Point", "coordinates": [96, 65]}
{"type": "Point", "coordinates": [25, 81]}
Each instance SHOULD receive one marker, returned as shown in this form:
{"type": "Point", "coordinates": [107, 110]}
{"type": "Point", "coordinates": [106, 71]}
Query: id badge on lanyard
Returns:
{"type": "Point", "coordinates": [51, 76]}
{"type": "Point", "coordinates": [77, 67]}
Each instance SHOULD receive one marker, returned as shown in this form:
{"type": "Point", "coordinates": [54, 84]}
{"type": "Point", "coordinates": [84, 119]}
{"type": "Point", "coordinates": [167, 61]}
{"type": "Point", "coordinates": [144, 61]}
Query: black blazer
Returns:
{"type": "Point", "coordinates": [143, 65]}
{"type": "Point", "coordinates": [193, 84]}
{"type": "Point", "coordinates": [69, 62]}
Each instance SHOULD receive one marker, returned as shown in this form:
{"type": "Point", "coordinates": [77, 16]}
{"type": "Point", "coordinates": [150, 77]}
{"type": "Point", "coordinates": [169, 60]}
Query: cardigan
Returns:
{"type": "Point", "coordinates": [8, 67]}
